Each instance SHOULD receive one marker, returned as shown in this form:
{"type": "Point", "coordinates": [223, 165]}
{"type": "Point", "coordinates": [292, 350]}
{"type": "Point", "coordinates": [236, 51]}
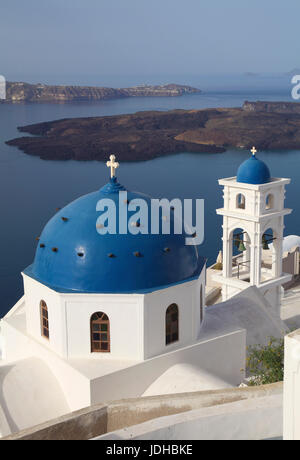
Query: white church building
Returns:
{"type": "Point", "coordinates": [105, 317]}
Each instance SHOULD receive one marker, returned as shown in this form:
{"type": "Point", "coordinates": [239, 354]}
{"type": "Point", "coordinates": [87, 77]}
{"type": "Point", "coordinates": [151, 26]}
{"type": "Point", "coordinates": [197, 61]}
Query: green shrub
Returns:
{"type": "Point", "coordinates": [265, 364]}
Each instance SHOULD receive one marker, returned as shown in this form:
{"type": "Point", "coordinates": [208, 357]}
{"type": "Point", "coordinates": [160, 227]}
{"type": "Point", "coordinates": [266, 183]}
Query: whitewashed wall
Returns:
{"type": "Point", "coordinates": [187, 297]}
{"type": "Point", "coordinates": [34, 292]}
{"type": "Point", "coordinates": [70, 316]}
{"type": "Point", "coordinates": [209, 355]}
{"type": "Point", "coordinates": [125, 314]}
{"type": "Point", "coordinates": [137, 321]}
{"type": "Point", "coordinates": [253, 419]}
{"type": "Point", "coordinates": [291, 387]}
{"type": "Point", "coordinates": [18, 346]}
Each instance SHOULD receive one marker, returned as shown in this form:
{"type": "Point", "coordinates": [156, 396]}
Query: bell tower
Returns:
{"type": "Point", "coordinates": [253, 218]}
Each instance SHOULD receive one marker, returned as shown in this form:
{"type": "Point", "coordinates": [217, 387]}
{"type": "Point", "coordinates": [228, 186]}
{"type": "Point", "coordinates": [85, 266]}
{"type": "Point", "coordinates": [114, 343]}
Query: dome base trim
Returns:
{"type": "Point", "coordinates": [202, 263]}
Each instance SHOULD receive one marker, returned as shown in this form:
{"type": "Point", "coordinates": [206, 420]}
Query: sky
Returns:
{"type": "Point", "coordinates": [63, 40]}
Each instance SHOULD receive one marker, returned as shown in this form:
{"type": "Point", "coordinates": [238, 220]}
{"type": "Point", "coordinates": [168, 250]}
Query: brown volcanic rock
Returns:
{"type": "Point", "coordinates": [146, 135]}
{"type": "Point", "coordinates": [243, 128]}
{"type": "Point", "coordinates": [26, 92]}
{"type": "Point", "coordinates": [160, 90]}
{"type": "Point", "coordinates": [140, 136]}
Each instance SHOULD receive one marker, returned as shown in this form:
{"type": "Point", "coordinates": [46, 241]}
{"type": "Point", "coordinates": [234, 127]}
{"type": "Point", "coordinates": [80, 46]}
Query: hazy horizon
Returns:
{"type": "Point", "coordinates": [76, 41]}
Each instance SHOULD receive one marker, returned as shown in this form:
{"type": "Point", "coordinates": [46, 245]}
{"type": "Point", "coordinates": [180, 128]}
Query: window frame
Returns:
{"type": "Point", "coordinates": [240, 201]}
{"type": "Point", "coordinates": [102, 320]}
{"type": "Point", "coordinates": [44, 320]}
{"type": "Point", "coordinates": [173, 324]}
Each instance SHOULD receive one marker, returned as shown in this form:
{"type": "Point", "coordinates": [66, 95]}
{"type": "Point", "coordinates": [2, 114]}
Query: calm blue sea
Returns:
{"type": "Point", "coordinates": [31, 189]}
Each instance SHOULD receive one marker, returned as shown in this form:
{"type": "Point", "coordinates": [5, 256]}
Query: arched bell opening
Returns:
{"type": "Point", "coordinates": [270, 248]}
{"type": "Point", "coordinates": [240, 201]}
{"type": "Point", "coordinates": [269, 202]}
{"type": "Point", "coordinates": [241, 254]}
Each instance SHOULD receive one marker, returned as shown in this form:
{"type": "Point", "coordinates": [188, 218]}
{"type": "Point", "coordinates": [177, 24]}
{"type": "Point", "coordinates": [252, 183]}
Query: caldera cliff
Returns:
{"type": "Point", "coordinates": [25, 92]}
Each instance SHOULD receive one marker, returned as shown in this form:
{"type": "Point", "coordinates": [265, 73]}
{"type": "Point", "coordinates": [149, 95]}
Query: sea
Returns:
{"type": "Point", "coordinates": [31, 189]}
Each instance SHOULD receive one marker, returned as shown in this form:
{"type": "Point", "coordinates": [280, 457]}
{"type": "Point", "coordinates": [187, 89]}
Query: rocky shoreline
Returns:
{"type": "Point", "coordinates": [25, 92]}
{"type": "Point", "coordinates": [146, 135]}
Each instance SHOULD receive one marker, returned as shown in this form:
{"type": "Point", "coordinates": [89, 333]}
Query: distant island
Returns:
{"type": "Point", "coordinates": [26, 92]}
{"type": "Point", "coordinates": [146, 135]}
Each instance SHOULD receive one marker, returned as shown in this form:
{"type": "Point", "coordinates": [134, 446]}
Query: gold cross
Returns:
{"type": "Point", "coordinates": [113, 165]}
{"type": "Point", "coordinates": [253, 151]}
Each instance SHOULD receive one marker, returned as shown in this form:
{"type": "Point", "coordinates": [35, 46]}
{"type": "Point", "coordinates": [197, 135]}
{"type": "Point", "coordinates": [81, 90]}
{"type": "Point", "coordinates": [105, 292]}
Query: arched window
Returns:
{"type": "Point", "coordinates": [240, 201]}
{"type": "Point", "coordinates": [270, 201]}
{"type": "Point", "coordinates": [44, 320]}
{"type": "Point", "coordinates": [100, 333]}
{"type": "Point", "coordinates": [201, 304]}
{"type": "Point", "coordinates": [172, 324]}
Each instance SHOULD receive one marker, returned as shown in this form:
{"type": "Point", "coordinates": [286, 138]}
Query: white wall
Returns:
{"type": "Point", "coordinates": [273, 298]}
{"type": "Point", "coordinates": [291, 387]}
{"type": "Point", "coordinates": [30, 394]}
{"type": "Point", "coordinates": [34, 292]}
{"type": "Point", "coordinates": [125, 314]}
{"type": "Point", "coordinates": [75, 386]}
{"type": "Point", "coordinates": [233, 192]}
{"type": "Point", "coordinates": [187, 297]}
{"type": "Point", "coordinates": [278, 198]}
{"type": "Point", "coordinates": [69, 321]}
{"type": "Point", "coordinates": [252, 419]}
{"type": "Point", "coordinates": [255, 195]}
{"type": "Point", "coordinates": [137, 321]}
{"type": "Point", "coordinates": [223, 357]}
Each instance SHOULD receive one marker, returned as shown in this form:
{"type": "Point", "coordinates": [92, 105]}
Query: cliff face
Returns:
{"type": "Point", "coordinates": [25, 92]}
{"type": "Point", "coordinates": [271, 107]}
{"type": "Point", "coordinates": [162, 90]}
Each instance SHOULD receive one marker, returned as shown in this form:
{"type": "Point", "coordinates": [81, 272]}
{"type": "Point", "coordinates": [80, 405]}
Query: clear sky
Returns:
{"type": "Point", "coordinates": [40, 39]}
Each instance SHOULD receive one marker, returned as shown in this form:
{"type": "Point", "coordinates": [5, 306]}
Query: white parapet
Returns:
{"type": "Point", "coordinates": [1, 344]}
{"type": "Point", "coordinates": [291, 416]}
{"type": "Point", "coordinates": [246, 420]}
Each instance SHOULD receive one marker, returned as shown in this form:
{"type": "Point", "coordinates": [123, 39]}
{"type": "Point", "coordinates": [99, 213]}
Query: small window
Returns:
{"type": "Point", "coordinates": [270, 201]}
{"type": "Point", "coordinates": [44, 320]}
{"type": "Point", "coordinates": [240, 201]}
{"type": "Point", "coordinates": [100, 333]}
{"type": "Point", "coordinates": [172, 324]}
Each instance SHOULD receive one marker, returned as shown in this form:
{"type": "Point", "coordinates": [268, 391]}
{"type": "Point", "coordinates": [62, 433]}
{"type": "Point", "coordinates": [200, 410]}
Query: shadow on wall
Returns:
{"type": "Point", "coordinates": [101, 419]}
{"type": "Point", "coordinates": [4, 372]}
{"type": "Point", "coordinates": [30, 394]}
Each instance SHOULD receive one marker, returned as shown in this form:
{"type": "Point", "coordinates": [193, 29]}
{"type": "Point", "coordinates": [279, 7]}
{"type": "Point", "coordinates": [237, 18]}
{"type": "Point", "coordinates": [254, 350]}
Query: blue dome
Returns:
{"type": "Point", "coordinates": [73, 257]}
{"type": "Point", "coordinates": [253, 171]}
